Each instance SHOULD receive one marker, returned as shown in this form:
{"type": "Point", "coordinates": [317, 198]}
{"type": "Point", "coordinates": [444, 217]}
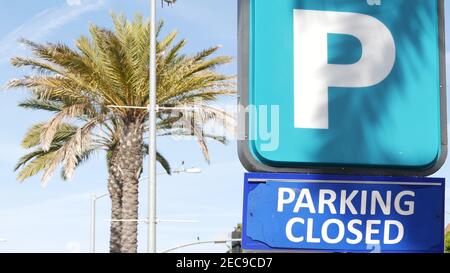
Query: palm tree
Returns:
{"type": "Point", "coordinates": [169, 2]}
{"type": "Point", "coordinates": [87, 89]}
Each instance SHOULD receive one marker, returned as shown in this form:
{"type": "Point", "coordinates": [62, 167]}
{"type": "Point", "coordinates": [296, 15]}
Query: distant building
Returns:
{"type": "Point", "coordinates": [447, 229]}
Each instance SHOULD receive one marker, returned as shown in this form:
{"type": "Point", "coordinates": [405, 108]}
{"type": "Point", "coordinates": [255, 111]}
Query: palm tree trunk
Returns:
{"type": "Point", "coordinates": [129, 161]}
{"type": "Point", "coordinates": [116, 214]}
{"type": "Point", "coordinates": [115, 193]}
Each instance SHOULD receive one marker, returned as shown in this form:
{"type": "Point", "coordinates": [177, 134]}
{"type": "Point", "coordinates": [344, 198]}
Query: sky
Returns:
{"type": "Point", "coordinates": [57, 218]}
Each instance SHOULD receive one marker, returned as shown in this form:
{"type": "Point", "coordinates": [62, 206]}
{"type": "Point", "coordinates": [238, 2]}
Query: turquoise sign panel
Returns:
{"type": "Point", "coordinates": [343, 84]}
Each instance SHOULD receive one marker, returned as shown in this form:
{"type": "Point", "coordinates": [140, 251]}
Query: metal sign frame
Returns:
{"type": "Point", "coordinates": [253, 165]}
{"type": "Point", "coordinates": [252, 180]}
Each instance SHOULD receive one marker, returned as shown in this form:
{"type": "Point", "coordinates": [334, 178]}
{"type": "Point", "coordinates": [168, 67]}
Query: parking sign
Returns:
{"type": "Point", "coordinates": [335, 213]}
{"type": "Point", "coordinates": [349, 86]}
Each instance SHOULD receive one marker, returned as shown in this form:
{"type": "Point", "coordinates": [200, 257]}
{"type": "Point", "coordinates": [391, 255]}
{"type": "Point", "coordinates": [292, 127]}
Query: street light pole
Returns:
{"type": "Point", "coordinates": [201, 243]}
{"type": "Point", "coordinates": [94, 199]}
{"type": "Point", "coordinates": [93, 218]}
{"type": "Point", "coordinates": [152, 134]}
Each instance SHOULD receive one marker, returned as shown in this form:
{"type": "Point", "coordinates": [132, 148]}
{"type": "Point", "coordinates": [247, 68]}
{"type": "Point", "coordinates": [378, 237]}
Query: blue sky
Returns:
{"type": "Point", "coordinates": [56, 219]}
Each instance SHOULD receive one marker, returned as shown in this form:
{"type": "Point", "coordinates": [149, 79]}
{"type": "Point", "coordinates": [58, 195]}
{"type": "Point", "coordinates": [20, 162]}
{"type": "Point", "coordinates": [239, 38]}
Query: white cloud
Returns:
{"type": "Point", "coordinates": [43, 24]}
{"type": "Point", "coordinates": [73, 2]}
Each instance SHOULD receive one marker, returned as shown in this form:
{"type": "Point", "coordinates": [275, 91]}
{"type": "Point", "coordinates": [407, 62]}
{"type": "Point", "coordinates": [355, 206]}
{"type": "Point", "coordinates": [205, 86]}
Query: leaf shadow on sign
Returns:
{"type": "Point", "coordinates": [367, 123]}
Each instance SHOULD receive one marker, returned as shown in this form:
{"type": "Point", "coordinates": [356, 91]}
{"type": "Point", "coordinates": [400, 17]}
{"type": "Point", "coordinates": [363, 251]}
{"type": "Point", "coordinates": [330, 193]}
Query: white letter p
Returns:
{"type": "Point", "coordinates": [312, 73]}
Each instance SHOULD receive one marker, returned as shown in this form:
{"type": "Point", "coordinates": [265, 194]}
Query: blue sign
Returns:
{"type": "Point", "coordinates": [291, 212]}
{"type": "Point", "coordinates": [352, 85]}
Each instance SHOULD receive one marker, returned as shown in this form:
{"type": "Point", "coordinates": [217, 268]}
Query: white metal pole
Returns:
{"type": "Point", "coordinates": [152, 134]}
{"type": "Point", "coordinates": [201, 243]}
{"type": "Point", "coordinates": [93, 201]}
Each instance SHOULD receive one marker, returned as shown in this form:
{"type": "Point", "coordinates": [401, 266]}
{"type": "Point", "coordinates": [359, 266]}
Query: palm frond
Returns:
{"type": "Point", "coordinates": [33, 155]}
{"type": "Point", "coordinates": [36, 104]}
{"type": "Point", "coordinates": [82, 158]}
{"type": "Point", "coordinates": [35, 163]}
{"type": "Point", "coordinates": [160, 159]}
{"type": "Point", "coordinates": [33, 136]}
{"type": "Point", "coordinates": [164, 163]}
{"type": "Point", "coordinates": [74, 149]}
{"type": "Point", "coordinates": [49, 130]}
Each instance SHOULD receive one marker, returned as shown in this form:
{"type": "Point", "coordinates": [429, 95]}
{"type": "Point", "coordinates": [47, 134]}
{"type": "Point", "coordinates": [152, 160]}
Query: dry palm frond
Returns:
{"type": "Point", "coordinates": [71, 151]}
{"type": "Point", "coordinates": [49, 129]}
